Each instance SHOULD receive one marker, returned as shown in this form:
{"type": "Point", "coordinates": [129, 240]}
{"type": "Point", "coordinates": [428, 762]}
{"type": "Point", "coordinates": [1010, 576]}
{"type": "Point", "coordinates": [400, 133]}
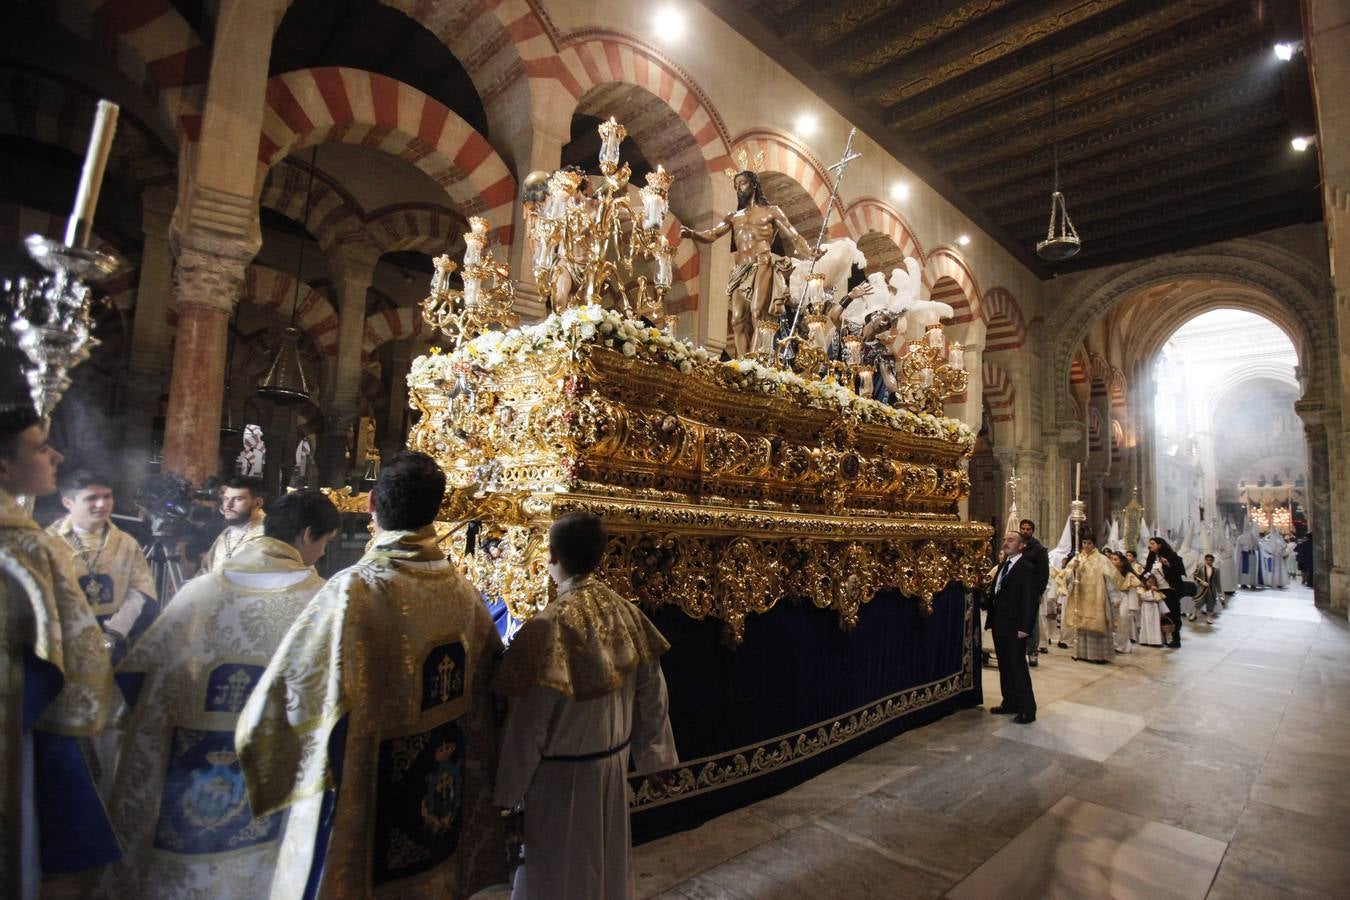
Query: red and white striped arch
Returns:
{"type": "Point", "coordinates": [314, 315]}
{"type": "Point", "coordinates": [153, 46]}
{"type": "Point", "coordinates": [390, 325]}
{"type": "Point", "coordinates": [1119, 393]}
{"type": "Point", "coordinates": [1007, 330]}
{"type": "Point", "coordinates": [962, 291]}
{"type": "Point", "coordinates": [1097, 434]}
{"type": "Point", "coordinates": [353, 106]}
{"type": "Point", "coordinates": [999, 392]}
{"type": "Point", "coordinates": [1099, 371]}
{"type": "Point", "coordinates": [872, 215]}
{"type": "Point", "coordinates": [423, 227]}
{"type": "Point", "coordinates": [594, 58]}
{"type": "Point", "coordinates": [684, 293]}
{"type": "Point", "coordinates": [334, 216]}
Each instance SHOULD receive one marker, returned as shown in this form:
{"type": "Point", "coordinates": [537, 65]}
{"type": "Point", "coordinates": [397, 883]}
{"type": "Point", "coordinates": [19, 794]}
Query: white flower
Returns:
{"type": "Point", "coordinates": [686, 367]}
{"type": "Point", "coordinates": [629, 349]}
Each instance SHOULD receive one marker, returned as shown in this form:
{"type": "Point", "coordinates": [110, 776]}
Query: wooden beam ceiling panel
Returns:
{"type": "Point", "coordinates": [1001, 74]}
{"type": "Point", "coordinates": [1090, 180]}
{"type": "Point", "coordinates": [1131, 143]}
{"type": "Point", "coordinates": [1173, 115]}
{"type": "Point", "coordinates": [950, 122]}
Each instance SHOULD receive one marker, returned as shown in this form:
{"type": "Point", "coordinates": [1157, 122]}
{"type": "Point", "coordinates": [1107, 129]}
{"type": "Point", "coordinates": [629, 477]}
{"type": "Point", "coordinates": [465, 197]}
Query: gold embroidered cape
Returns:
{"type": "Point", "coordinates": [1089, 605]}
{"type": "Point", "coordinates": [45, 611]}
{"type": "Point", "coordinates": [121, 560]}
{"type": "Point", "coordinates": [187, 680]}
{"type": "Point", "coordinates": [381, 690]}
{"type": "Point", "coordinates": [582, 645]}
{"type": "Point", "coordinates": [222, 546]}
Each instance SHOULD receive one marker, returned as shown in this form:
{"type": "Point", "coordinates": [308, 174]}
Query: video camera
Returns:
{"type": "Point", "coordinates": [169, 498]}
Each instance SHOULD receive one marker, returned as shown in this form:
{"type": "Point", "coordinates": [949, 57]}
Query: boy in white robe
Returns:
{"type": "Point", "coordinates": [178, 801]}
{"type": "Point", "coordinates": [586, 691]}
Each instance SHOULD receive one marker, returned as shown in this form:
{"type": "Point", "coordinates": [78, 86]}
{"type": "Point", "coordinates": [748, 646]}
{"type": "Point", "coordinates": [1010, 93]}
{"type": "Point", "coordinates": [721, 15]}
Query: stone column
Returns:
{"type": "Point", "coordinates": [342, 404]}
{"type": "Point", "coordinates": [545, 155]}
{"type": "Point", "coordinates": [149, 343]}
{"type": "Point", "coordinates": [1328, 47]}
{"type": "Point", "coordinates": [208, 281]}
{"type": "Point", "coordinates": [392, 437]}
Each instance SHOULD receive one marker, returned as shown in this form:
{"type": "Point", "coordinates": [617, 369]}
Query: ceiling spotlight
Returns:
{"type": "Point", "coordinates": [1284, 51]}
{"type": "Point", "coordinates": [899, 191]}
{"type": "Point", "coordinates": [1301, 143]}
{"type": "Point", "coordinates": [669, 23]}
{"type": "Point", "coordinates": [806, 125]}
{"type": "Point", "coordinates": [963, 240]}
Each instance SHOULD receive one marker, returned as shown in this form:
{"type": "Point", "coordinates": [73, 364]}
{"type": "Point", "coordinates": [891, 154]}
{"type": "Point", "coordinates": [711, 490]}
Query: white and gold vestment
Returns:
{"type": "Point", "coordinates": [178, 802]}
{"type": "Point", "coordinates": [586, 692]}
{"type": "Point", "coordinates": [373, 725]}
{"type": "Point", "coordinates": [55, 684]}
{"type": "Point", "coordinates": [232, 540]}
{"type": "Point", "coordinates": [113, 574]}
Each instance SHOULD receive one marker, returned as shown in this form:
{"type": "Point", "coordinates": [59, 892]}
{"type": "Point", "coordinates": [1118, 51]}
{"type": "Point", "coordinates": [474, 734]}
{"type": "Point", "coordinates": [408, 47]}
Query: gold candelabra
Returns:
{"type": "Point", "coordinates": [588, 240]}
{"type": "Point", "coordinates": [930, 372]}
{"type": "Point", "coordinates": [487, 299]}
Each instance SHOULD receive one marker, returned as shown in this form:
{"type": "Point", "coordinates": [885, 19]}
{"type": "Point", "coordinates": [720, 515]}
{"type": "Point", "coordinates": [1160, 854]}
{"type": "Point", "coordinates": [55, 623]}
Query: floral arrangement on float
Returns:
{"type": "Point", "coordinates": [563, 333]}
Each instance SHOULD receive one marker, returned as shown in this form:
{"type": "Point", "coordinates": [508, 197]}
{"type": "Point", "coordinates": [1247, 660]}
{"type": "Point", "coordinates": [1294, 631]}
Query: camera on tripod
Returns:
{"type": "Point", "coordinates": [169, 501]}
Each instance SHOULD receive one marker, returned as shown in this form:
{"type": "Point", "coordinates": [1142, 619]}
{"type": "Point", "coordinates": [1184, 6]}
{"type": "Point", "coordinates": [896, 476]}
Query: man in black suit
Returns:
{"type": "Point", "coordinates": [1039, 557]}
{"type": "Point", "coordinates": [1012, 617]}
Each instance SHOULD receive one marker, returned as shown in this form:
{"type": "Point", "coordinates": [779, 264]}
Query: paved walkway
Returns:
{"type": "Point", "coordinates": [1217, 770]}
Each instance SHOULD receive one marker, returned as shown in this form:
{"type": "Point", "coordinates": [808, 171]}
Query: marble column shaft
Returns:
{"type": "Point", "coordinates": [207, 284]}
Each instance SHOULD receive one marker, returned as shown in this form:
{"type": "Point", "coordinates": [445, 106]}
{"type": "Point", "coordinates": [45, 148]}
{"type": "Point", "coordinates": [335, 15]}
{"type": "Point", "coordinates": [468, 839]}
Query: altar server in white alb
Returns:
{"type": "Point", "coordinates": [178, 801]}
{"type": "Point", "coordinates": [586, 691]}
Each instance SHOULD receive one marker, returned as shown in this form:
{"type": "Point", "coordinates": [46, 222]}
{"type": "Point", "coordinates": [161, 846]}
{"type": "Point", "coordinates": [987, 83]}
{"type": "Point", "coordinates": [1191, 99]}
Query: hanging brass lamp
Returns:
{"type": "Point", "coordinates": [285, 382]}
{"type": "Point", "coordinates": [1061, 238]}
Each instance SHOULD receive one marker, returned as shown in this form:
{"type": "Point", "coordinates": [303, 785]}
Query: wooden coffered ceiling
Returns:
{"type": "Point", "coordinates": [1173, 116]}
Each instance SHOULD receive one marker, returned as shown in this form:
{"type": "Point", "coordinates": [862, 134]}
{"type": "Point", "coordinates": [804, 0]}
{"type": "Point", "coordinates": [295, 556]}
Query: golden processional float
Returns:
{"type": "Point", "coordinates": [723, 486]}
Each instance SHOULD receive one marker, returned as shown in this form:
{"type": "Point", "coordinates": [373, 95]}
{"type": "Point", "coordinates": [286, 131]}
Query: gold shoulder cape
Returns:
{"type": "Point", "coordinates": [583, 645]}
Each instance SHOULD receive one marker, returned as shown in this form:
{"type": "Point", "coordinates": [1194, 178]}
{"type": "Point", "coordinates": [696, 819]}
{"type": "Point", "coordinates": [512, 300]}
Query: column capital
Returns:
{"type": "Point", "coordinates": [210, 276]}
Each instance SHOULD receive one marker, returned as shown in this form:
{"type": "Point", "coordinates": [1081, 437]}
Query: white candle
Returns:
{"type": "Point", "coordinates": [652, 208]}
{"type": "Point", "coordinates": [957, 356]}
{"type": "Point", "coordinates": [473, 292]}
{"type": "Point", "coordinates": [934, 335]}
{"type": "Point", "coordinates": [664, 269]}
{"type": "Point", "coordinates": [81, 221]}
{"type": "Point", "coordinates": [1077, 480]}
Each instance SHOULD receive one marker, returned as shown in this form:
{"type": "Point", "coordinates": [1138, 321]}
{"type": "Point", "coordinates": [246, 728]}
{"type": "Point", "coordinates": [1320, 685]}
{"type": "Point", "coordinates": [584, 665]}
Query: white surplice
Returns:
{"type": "Point", "coordinates": [568, 758]}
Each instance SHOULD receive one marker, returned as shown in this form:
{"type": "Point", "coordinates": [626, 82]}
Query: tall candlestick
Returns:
{"type": "Point", "coordinates": [81, 223]}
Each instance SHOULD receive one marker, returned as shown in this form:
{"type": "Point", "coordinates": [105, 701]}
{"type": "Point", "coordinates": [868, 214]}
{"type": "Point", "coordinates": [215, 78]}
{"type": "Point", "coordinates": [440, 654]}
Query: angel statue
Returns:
{"type": "Point", "coordinates": [758, 287]}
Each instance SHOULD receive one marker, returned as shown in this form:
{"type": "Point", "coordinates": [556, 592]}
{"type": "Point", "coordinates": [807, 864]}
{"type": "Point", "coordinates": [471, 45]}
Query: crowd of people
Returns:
{"type": "Point", "coordinates": [264, 732]}
{"type": "Point", "coordinates": [1094, 602]}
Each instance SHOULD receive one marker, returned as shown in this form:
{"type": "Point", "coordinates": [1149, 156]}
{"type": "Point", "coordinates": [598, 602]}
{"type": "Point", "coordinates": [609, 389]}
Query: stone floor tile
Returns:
{"type": "Point", "coordinates": [1277, 852]}
{"type": "Point", "coordinates": [663, 863]}
{"type": "Point", "coordinates": [1081, 849]}
{"type": "Point", "coordinates": [1087, 731]}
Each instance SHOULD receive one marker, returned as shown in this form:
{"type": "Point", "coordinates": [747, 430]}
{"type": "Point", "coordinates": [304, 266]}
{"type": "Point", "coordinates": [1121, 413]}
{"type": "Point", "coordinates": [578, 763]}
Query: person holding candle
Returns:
{"type": "Point", "coordinates": [1088, 611]}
